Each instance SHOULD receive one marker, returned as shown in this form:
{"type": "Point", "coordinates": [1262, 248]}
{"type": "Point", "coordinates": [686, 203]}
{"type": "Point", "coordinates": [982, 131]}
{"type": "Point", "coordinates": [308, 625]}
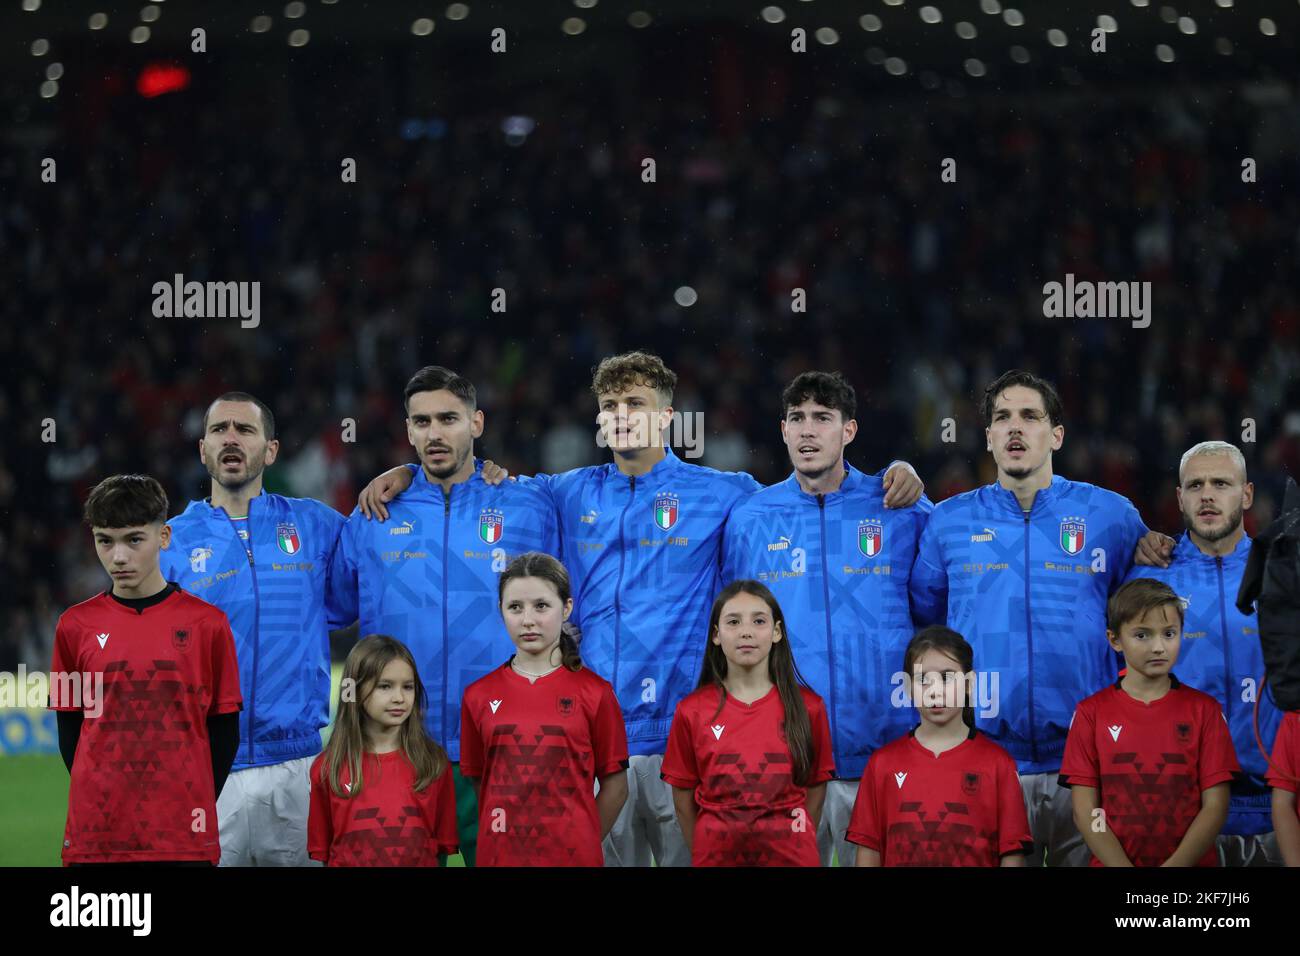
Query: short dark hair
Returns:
{"type": "Point", "coordinates": [831, 389]}
{"type": "Point", "coordinates": [1051, 401]}
{"type": "Point", "coordinates": [126, 501]}
{"type": "Point", "coordinates": [435, 378]}
{"type": "Point", "coordinates": [268, 420]}
{"type": "Point", "coordinates": [1138, 596]}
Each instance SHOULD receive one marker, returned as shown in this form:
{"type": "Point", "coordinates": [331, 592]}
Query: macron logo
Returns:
{"type": "Point", "coordinates": [347, 787]}
{"type": "Point", "coordinates": [717, 731]}
{"type": "Point", "coordinates": [899, 778]}
{"type": "Point", "coordinates": [103, 639]}
{"type": "Point", "coordinates": [1114, 732]}
{"type": "Point", "coordinates": [494, 704]}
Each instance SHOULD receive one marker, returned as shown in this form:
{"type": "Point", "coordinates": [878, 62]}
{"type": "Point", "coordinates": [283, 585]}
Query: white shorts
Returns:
{"type": "Point", "coordinates": [837, 810]}
{"type": "Point", "coordinates": [1261, 849]}
{"type": "Point", "coordinates": [262, 815]}
{"type": "Point", "coordinates": [647, 825]}
{"type": "Point", "coordinates": [1051, 823]}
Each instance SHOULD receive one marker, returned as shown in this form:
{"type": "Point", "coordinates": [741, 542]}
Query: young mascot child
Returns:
{"type": "Point", "coordinates": [537, 732]}
{"type": "Point", "coordinates": [146, 687]}
{"type": "Point", "coordinates": [1284, 778]}
{"type": "Point", "coordinates": [749, 752]}
{"type": "Point", "coordinates": [1149, 759]}
{"type": "Point", "coordinates": [944, 795]}
{"type": "Point", "coordinates": [381, 790]}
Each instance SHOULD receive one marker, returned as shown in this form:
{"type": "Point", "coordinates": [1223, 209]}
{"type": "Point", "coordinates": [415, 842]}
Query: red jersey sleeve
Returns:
{"type": "Point", "coordinates": [823, 764]}
{"type": "Point", "coordinates": [439, 805]}
{"type": "Point", "coordinates": [224, 678]}
{"type": "Point", "coordinates": [1013, 820]}
{"type": "Point", "coordinates": [64, 662]}
{"type": "Point", "coordinates": [1080, 765]}
{"type": "Point", "coordinates": [866, 828]}
{"type": "Point", "coordinates": [608, 735]}
{"type": "Point", "coordinates": [471, 745]}
{"type": "Point", "coordinates": [1286, 755]}
{"type": "Point", "coordinates": [679, 768]}
{"type": "Point", "coordinates": [1218, 758]}
{"type": "Point", "coordinates": [319, 823]}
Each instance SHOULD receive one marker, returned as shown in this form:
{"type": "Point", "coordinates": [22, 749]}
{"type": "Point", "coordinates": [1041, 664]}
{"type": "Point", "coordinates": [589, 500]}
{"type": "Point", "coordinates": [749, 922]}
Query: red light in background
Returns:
{"type": "Point", "coordinates": [159, 78]}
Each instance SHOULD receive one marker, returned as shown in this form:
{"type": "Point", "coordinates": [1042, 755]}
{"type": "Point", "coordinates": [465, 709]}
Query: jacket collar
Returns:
{"type": "Point", "coordinates": [662, 469]}
{"type": "Point", "coordinates": [1186, 550]}
{"type": "Point", "coordinates": [1044, 497]}
{"type": "Point", "coordinates": [853, 482]}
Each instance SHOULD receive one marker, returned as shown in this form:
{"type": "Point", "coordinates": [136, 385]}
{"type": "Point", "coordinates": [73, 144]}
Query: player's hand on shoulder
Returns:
{"type": "Point", "coordinates": [903, 486]}
{"type": "Point", "coordinates": [494, 474]}
{"type": "Point", "coordinates": [1154, 550]}
{"type": "Point", "coordinates": [382, 490]}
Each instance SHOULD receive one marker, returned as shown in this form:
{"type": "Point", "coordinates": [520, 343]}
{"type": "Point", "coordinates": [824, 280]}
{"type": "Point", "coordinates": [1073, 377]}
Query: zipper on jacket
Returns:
{"type": "Point", "coordinates": [257, 615]}
{"type": "Point", "coordinates": [1029, 634]}
{"type": "Point", "coordinates": [1227, 662]}
{"type": "Point", "coordinates": [826, 602]}
{"type": "Point", "coordinates": [618, 588]}
{"type": "Point", "coordinates": [446, 533]}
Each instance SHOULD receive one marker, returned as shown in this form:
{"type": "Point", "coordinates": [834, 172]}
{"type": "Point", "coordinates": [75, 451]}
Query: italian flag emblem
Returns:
{"type": "Point", "coordinates": [286, 536]}
{"type": "Point", "coordinates": [1072, 535]}
{"type": "Point", "coordinates": [666, 510]}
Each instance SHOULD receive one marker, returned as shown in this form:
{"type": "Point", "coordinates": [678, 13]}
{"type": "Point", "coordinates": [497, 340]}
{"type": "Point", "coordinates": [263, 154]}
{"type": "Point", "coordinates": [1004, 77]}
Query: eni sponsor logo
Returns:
{"type": "Point", "coordinates": [873, 569]}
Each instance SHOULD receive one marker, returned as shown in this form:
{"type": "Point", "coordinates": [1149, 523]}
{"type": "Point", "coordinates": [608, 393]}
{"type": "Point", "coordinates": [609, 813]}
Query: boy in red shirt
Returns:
{"type": "Point", "coordinates": [1149, 759]}
{"type": "Point", "coordinates": [146, 687]}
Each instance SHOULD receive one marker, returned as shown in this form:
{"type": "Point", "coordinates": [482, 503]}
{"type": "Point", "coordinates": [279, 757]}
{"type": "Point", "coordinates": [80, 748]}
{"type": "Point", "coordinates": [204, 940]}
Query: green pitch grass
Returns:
{"type": "Point", "coordinates": [34, 806]}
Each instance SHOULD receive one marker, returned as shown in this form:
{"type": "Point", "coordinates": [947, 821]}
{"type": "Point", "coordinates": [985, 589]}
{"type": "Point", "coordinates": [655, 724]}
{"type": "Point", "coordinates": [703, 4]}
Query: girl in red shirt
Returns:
{"type": "Point", "coordinates": [381, 790]}
{"type": "Point", "coordinates": [944, 795]}
{"type": "Point", "coordinates": [539, 731]}
{"type": "Point", "coordinates": [749, 752]}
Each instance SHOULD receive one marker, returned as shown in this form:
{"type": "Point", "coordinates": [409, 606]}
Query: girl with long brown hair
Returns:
{"type": "Point", "coordinates": [749, 752]}
{"type": "Point", "coordinates": [381, 790]}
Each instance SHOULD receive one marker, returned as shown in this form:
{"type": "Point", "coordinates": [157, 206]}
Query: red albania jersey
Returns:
{"type": "Point", "coordinates": [751, 811]}
{"type": "Point", "coordinates": [1149, 763]}
{"type": "Point", "coordinates": [538, 749]}
{"type": "Point", "coordinates": [386, 822]}
{"type": "Point", "coordinates": [141, 784]}
{"type": "Point", "coordinates": [1285, 770]}
{"type": "Point", "coordinates": [963, 807]}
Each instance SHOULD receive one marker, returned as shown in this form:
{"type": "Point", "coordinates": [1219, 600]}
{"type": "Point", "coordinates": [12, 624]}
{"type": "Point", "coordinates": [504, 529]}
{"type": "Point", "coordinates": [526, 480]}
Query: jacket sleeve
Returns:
{"type": "Point", "coordinates": [1130, 530]}
{"type": "Point", "coordinates": [341, 581]}
{"type": "Point", "coordinates": [928, 584]}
